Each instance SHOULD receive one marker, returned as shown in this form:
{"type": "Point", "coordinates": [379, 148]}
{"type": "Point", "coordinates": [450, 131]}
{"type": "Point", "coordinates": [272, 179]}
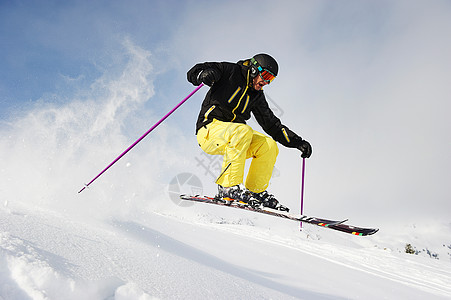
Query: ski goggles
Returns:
{"type": "Point", "coordinates": [266, 75]}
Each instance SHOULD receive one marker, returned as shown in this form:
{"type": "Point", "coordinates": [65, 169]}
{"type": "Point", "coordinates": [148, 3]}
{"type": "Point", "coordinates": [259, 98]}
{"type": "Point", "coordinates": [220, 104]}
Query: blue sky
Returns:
{"type": "Point", "coordinates": [367, 82]}
{"type": "Point", "coordinates": [46, 42]}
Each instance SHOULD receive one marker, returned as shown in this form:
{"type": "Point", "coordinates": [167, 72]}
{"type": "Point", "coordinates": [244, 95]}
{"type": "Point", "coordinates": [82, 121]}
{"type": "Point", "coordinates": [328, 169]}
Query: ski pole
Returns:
{"type": "Point", "coordinates": [142, 137]}
{"type": "Point", "coordinates": [302, 188]}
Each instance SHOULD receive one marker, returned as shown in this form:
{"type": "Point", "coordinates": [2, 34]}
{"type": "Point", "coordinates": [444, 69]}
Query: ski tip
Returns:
{"type": "Point", "coordinates": [374, 231]}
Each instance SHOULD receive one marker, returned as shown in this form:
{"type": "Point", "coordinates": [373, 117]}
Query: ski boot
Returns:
{"type": "Point", "coordinates": [268, 200]}
{"type": "Point", "coordinates": [235, 192]}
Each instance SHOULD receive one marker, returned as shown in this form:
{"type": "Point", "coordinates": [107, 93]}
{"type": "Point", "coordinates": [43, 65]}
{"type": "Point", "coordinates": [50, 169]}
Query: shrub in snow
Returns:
{"type": "Point", "coordinates": [409, 249]}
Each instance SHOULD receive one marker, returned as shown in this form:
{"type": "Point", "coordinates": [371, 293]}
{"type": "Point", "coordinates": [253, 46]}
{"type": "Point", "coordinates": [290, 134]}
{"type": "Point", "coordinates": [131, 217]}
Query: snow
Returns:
{"type": "Point", "coordinates": [181, 255]}
{"type": "Point", "coordinates": [126, 237]}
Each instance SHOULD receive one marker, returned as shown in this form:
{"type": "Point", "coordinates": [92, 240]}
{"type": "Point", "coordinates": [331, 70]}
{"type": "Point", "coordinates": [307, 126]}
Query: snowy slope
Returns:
{"type": "Point", "coordinates": [194, 253]}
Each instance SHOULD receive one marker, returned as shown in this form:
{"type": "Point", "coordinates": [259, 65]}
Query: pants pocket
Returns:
{"type": "Point", "coordinates": [202, 137]}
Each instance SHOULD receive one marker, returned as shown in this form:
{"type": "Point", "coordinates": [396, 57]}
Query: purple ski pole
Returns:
{"type": "Point", "coordinates": [142, 137]}
{"type": "Point", "coordinates": [302, 189]}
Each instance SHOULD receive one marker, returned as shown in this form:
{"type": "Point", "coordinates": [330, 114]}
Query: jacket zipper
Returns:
{"type": "Point", "coordinates": [239, 101]}
{"type": "Point", "coordinates": [242, 95]}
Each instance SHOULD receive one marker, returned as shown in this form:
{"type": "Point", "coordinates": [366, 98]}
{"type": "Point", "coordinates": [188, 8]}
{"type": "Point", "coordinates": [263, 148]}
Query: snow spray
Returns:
{"type": "Point", "coordinates": [142, 137]}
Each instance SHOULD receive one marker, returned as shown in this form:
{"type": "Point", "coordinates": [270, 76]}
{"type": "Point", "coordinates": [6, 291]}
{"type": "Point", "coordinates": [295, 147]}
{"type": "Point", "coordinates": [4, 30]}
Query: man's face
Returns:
{"type": "Point", "coordinates": [259, 83]}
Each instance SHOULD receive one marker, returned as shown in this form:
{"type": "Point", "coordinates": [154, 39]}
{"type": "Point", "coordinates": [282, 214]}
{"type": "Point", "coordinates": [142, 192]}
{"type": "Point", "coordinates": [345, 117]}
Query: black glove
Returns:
{"type": "Point", "coordinates": [209, 76]}
{"type": "Point", "coordinates": [196, 75]}
{"type": "Point", "coordinates": [306, 149]}
{"type": "Point", "coordinates": [193, 75]}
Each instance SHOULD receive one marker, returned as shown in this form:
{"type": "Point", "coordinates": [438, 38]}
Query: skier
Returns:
{"type": "Point", "coordinates": [236, 90]}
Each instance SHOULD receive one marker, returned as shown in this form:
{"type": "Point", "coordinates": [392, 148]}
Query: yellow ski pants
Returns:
{"type": "Point", "coordinates": [238, 142]}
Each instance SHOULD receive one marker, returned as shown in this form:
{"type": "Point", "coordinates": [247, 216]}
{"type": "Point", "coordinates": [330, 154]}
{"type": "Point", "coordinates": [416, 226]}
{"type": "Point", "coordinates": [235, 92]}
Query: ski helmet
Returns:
{"type": "Point", "coordinates": [262, 62]}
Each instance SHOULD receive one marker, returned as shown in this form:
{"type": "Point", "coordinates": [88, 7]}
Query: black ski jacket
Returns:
{"type": "Point", "coordinates": [232, 99]}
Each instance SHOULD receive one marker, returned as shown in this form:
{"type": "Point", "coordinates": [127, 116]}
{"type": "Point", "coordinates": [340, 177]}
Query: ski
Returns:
{"type": "Point", "coordinates": [332, 224]}
{"type": "Point", "coordinates": [263, 210]}
{"type": "Point", "coordinates": [361, 231]}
